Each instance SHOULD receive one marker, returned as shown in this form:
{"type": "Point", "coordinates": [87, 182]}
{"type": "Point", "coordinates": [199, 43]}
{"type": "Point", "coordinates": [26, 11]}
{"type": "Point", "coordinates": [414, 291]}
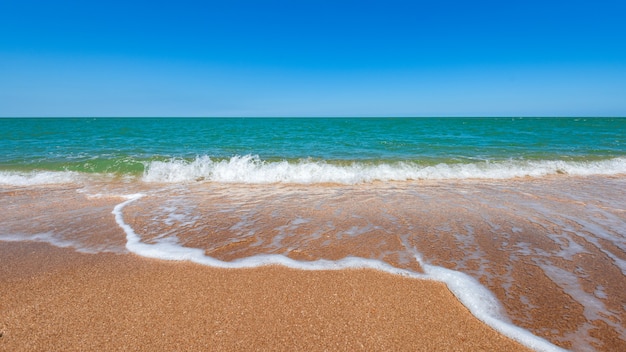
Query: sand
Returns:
{"type": "Point", "coordinates": [57, 299]}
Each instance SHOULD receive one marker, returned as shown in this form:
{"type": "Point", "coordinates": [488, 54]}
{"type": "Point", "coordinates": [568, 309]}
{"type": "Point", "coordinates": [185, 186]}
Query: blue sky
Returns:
{"type": "Point", "coordinates": [312, 58]}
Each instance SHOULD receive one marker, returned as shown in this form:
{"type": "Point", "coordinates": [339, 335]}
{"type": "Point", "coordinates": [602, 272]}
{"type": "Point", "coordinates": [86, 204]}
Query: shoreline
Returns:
{"type": "Point", "coordinates": [57, 298]}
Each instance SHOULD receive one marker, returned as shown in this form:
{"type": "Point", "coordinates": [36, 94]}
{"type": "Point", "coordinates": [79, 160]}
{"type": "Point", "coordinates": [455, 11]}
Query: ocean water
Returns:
{"type": "Point", "coordinates": [523, 218]}
{"type": "Point", "coordinates": [313, 150]}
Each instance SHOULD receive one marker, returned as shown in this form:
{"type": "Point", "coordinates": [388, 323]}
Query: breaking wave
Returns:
{"type": "Point", "coordinates": [251, 169]}
{"type": "Point", "coordinates": [33, 178]}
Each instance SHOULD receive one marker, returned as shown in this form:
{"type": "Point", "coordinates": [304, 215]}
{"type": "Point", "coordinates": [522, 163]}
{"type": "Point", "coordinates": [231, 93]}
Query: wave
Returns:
{"type": "Point", "coordinates": [475, 297]}
{"type": "Point", "coordinates": [33, 178]}
{"type": "Point", "coordinates": [251, 169]}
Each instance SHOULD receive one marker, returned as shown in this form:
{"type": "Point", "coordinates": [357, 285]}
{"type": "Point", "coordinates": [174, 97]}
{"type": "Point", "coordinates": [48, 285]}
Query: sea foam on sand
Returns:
{"type": "Point", "coordinates": [474, 296]}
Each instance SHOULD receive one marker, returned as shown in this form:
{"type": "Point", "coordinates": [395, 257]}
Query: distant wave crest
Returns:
{"type": "Point", "coordinates": [251, 169]}
{"type": "Point", "coordinates": [39, 177]}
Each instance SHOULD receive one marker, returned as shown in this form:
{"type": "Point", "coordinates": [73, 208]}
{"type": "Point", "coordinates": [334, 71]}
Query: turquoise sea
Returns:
{"type": "Point", "coordinates": [524, 219]}
{"type": "Point", "coordinates": [309, 150]}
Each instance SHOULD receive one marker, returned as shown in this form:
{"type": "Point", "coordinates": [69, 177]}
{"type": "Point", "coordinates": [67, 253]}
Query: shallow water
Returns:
{"type": "Point", "coordinates": [552, 251]}
{"type": "Point", "coordinates": [523, 219]}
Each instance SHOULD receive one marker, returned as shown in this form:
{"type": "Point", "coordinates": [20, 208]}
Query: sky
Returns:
{"type": "Point", "coordinates": [312, 58]}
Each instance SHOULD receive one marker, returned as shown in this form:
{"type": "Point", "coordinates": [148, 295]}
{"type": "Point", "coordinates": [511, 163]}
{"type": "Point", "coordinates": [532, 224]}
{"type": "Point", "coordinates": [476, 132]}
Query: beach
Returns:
{"type": "Point", "coordinates": [293, 265]}
{"type": "Point", "coordinates": [351, 225]}
{"type": "Point", "coordinates": [57, 299]}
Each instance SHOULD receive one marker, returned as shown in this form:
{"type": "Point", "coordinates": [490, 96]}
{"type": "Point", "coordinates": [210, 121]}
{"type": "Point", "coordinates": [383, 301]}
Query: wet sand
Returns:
{"type": "Point", "coordinates": [57, 299]}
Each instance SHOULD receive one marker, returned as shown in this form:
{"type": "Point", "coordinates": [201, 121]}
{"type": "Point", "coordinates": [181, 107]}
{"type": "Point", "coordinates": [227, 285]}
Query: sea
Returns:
{"type": "Point", "coordinates": [524, 219]}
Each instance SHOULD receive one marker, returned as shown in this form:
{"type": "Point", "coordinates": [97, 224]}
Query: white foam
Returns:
{"type": "Point", "coordinates": [51, 239]}
{"type": "Point", "coordinates": [480, 301]}
{"type": "Point", "coordinates": [484, 306]}
{"type": "Point", "coordinates": [39, 177]}
{"type": "Point", "coordinates": [594, 308]}
{"type": "Point", "coordinates": [251, 169]}
{"type": "Point", "coordinates": [39, 237]}
{"type": "Point", "coordinates": [168, 249]}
